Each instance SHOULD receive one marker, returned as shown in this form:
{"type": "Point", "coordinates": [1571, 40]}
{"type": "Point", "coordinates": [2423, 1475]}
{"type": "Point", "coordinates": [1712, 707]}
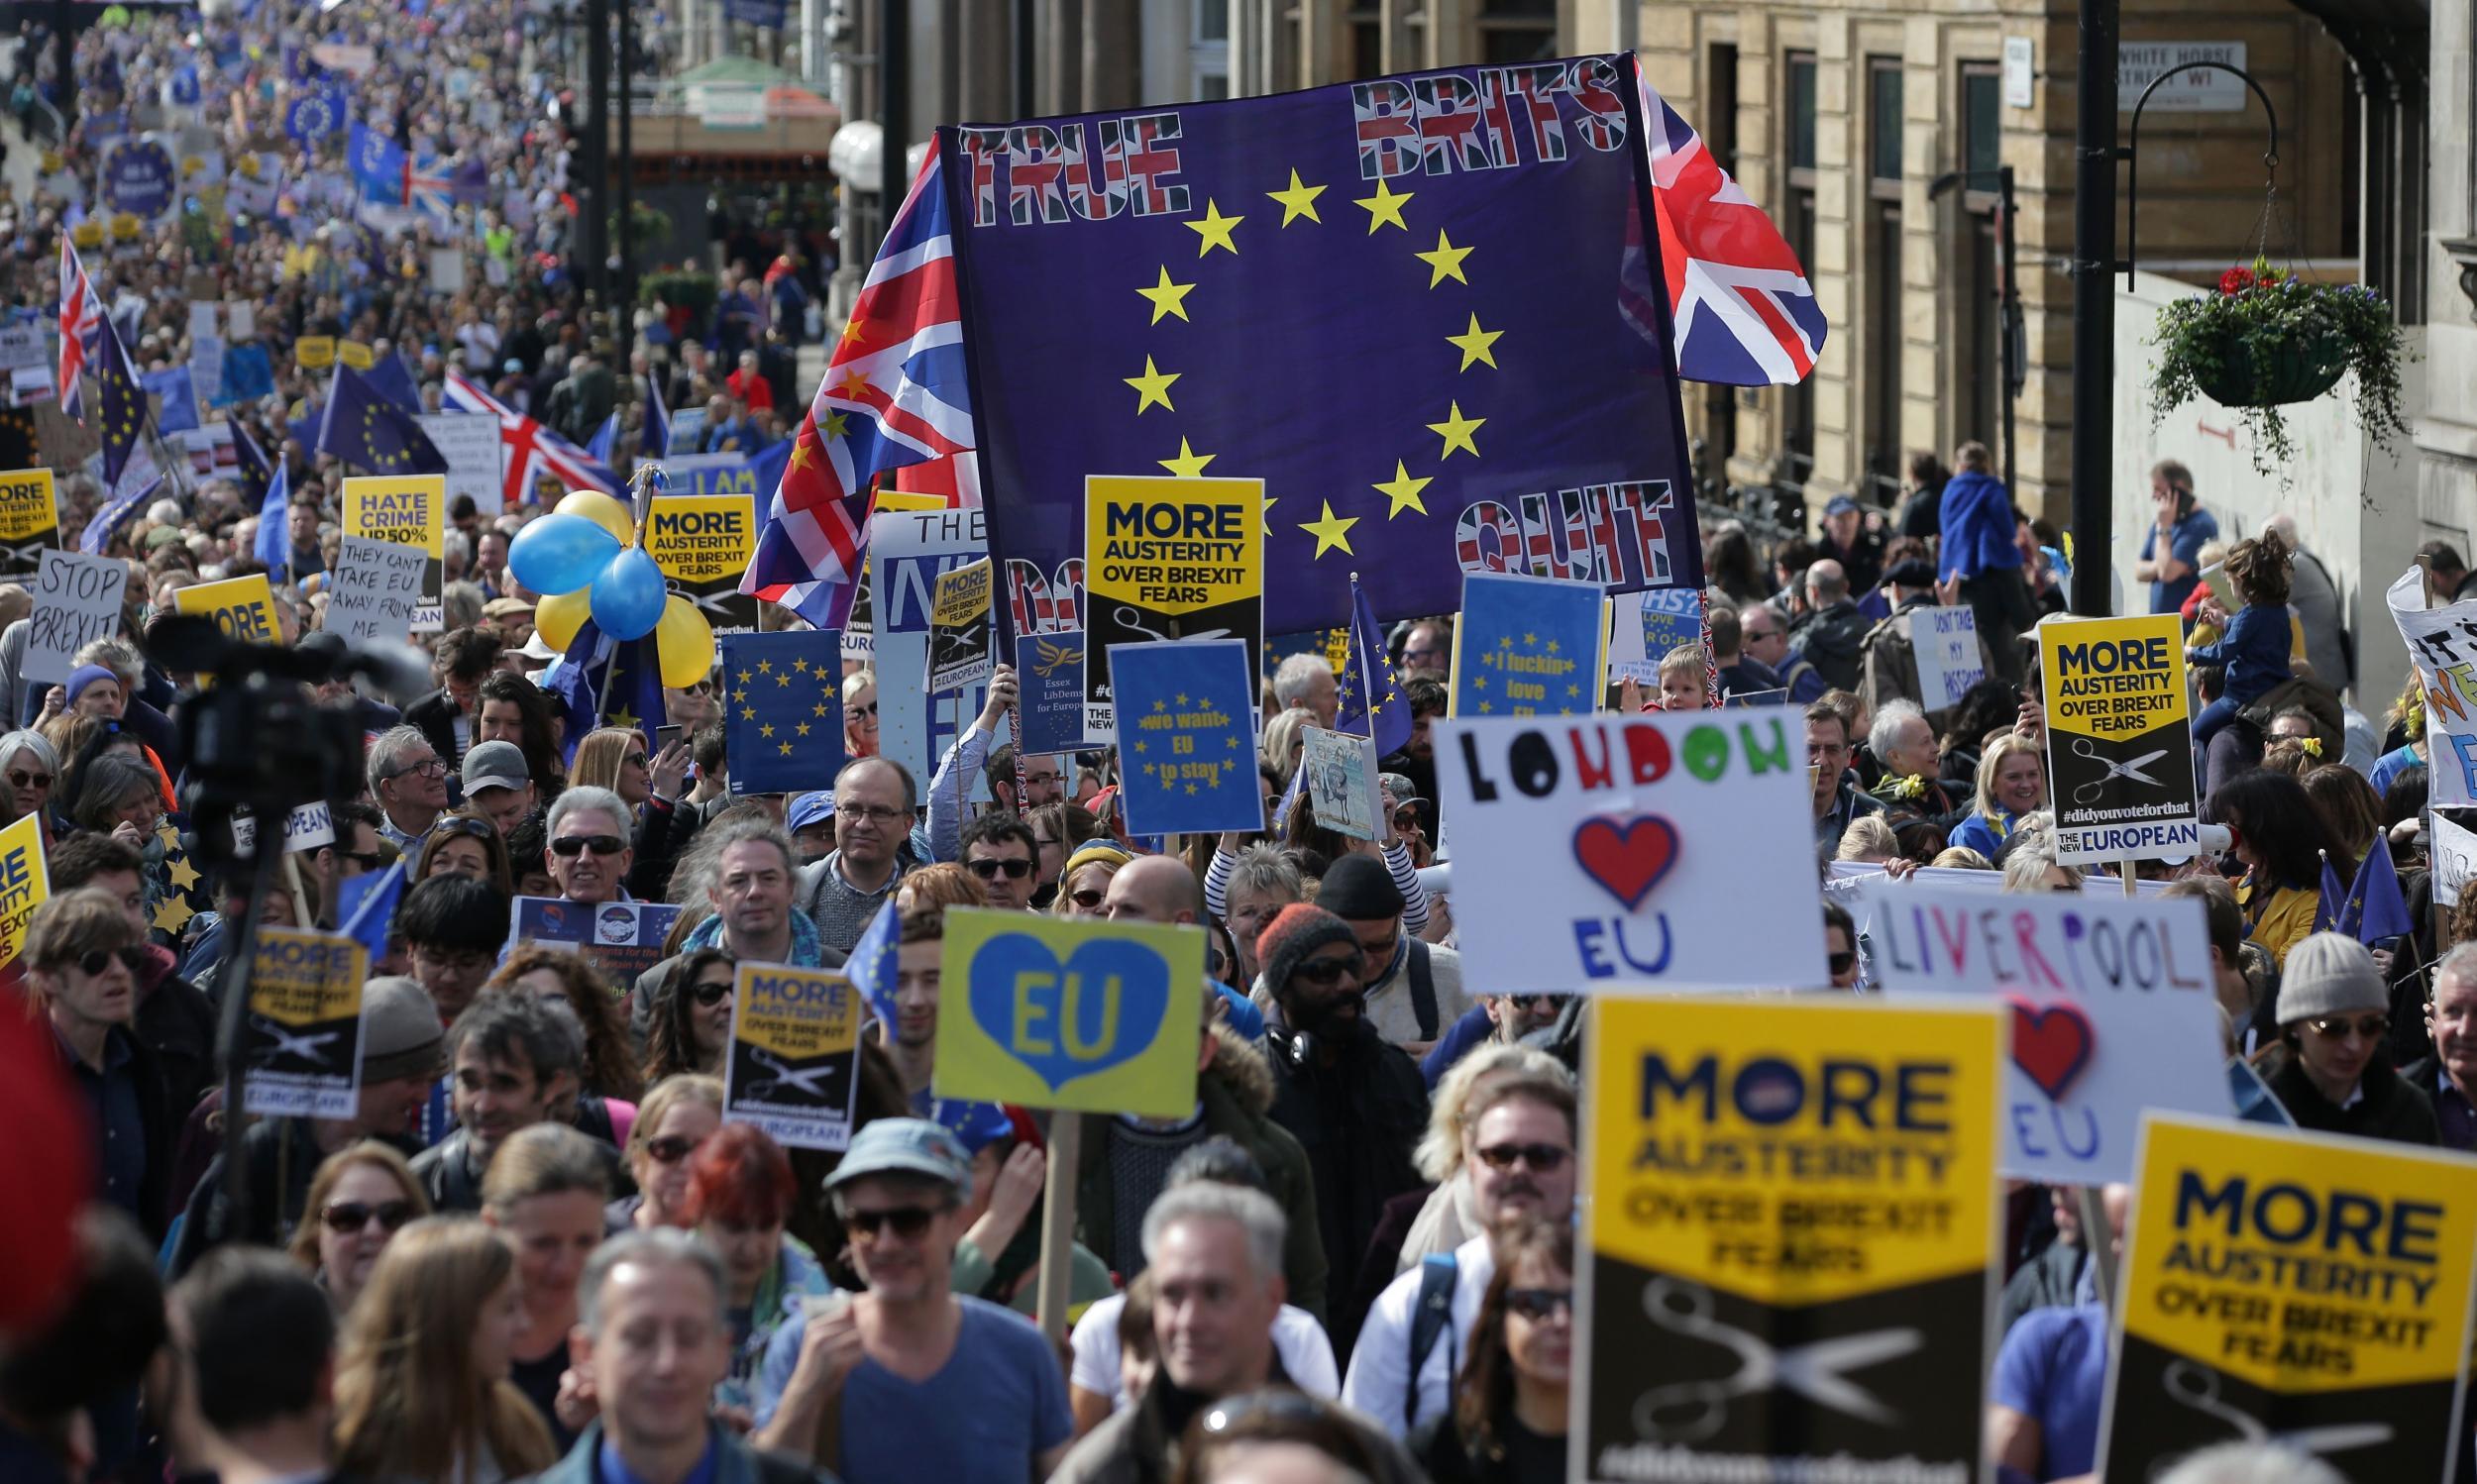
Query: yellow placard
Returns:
{"type": "Point", "coordinates": [314, 351]}
{"type": "Point", "coordinates": [26, 507]}
{"type": "Point", "coordinates": [897, 500]}
{"type": "Point", "coordinates": [356, 355]}
{"type": "Point", "coordinates": [126, 227]}
{"type": "Point", "coordinates": [303, 1033]}
{"type": "Point", "coordinates": [87, 234]}
{"type": "Point", "coordinates": [2113, 679]}
{"type": "Point", "coordinates": [1075, 1014]}
{"type": "Point", "coordinates": [962, 595]}
{"type": "Point", "coordinates": [797, 1012]}
{"type": "Point", "coordinates": [793, 1066]}
{"type": "Point", "coordinates": [409, 510]}
{"type": "Point", "coordinates": [243, 607]}
{"type": "Point", "coordinates": [1173, 546]}
{"type": "Point", "coordinates": [702, 538]}
{"type": "Point", "coordinates": [303, 978]}
{"type": "Point", "coordinates": [1794, 1151]}
{"type": "Point", "coordinates": [25, 882]}
{"type": "Point", "coordinates": [2300, 1262]}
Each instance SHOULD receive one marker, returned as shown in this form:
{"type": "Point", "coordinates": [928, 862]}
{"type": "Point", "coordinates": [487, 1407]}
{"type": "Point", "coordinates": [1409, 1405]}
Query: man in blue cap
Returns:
{"type": "Point", "coordinates": [910, 1381]}
{"type": "Point", "coordinates": [1849, 540]}
{"type": "Point", "coordinates": [811, 819]}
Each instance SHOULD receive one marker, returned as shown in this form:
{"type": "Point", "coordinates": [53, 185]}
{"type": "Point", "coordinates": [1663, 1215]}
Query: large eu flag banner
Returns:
{"type": "Point", "coordinates": [1425, 310]}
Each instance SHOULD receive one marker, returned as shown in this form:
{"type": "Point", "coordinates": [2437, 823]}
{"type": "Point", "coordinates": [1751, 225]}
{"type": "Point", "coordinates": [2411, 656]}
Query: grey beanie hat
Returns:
{"type": "Point", "coordinates": [400, 1030]}
{"type": "Point", "coordinates": [2330, 974]}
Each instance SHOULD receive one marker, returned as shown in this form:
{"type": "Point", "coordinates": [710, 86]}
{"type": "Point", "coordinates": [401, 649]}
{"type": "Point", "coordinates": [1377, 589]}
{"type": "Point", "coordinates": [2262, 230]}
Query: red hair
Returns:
{"type": "Point", "coordinates": [740, 1176]}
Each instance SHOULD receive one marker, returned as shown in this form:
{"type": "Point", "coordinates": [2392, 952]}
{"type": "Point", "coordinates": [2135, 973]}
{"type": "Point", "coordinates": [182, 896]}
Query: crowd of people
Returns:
{"type": "Point", "coordinates": [537, 1248]}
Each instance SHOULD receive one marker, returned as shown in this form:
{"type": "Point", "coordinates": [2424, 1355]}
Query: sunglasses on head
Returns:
{"type": "Point", "coordinates": [988, 869]}
{"type": "Point", "coordinates": [671, 1148]}
{"type": "Point", "coordinates": [20, 779]}
{"type": "Point", "coordinates": [710, 993]}
{"type": "Point", "coordinates": [1535, 1304]}
{"type": "Point", "coordinates": [906, 1221]}
{"type": "Point", "coordinates": [2336, 1028]}
{"type": "Point", "coordinates": [598, 844]}
{"type": "Point", "coordinates": [1322, 970]}
{"type": "Point", "coordinates": [356, 1215]}
{"type": "Point", "coordinates": [479, 829]}
{"type": "Point", "coordinates": [1540, 1157]}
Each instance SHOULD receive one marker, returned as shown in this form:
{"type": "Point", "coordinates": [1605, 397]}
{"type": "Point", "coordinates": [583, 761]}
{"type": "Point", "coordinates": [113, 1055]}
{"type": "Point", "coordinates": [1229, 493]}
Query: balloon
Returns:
{"type": "Point", "coordinates": [629, 596]}
{"type": "Point", "coordinates": [560, 552]}
{"type": "Point", "coordinates": [684, 640]}
{"type": "Point", "coordinates": [602, 510]}
{"type": "Point", "coordinates": [558, 618]}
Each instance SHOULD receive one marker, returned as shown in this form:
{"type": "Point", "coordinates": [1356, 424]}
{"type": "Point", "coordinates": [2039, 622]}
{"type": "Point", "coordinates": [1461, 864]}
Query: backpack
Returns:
{"type": "Point", "coordinates": [1431, 1318]}
{"type": "Point", "coordinates": [1423, 981]}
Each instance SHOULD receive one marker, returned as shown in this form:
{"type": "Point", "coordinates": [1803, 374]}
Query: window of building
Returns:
{"type": "Point", "coordinates": [1798, 404]}
{"type": "Point", "coordinates": [1208, 49]}
{"type": "Point", "coordinates": [1511, 31]}
{"type": "Point", "coordinates": [1978, 359]}
{"type": "Point", "coordinates": [1982, 116]}
{"type": "Point", "coordinates": [1885, 329]}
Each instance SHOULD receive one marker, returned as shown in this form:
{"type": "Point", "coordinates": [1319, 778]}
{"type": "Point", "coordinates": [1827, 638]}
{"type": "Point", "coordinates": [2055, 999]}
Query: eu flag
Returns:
{"type": "Point", "coordinates": [391, 379]}
{"type": "Point", "coordinates": [365, 430]}
{"type": "Point", "coordinates": [123, 404]}
{"type": "Point", "coordinates": [1425, 310]}
{"type": "Point", "coordinates": [633, 694]}
{"type": "Point", "coordinates": [379, 166]}
{"type": "Point", "coordinates": [783, 709]}
{"type": "Point", "coordinates": [1372, 703]}
{"type": "Point", "coordinates": [274, 533]}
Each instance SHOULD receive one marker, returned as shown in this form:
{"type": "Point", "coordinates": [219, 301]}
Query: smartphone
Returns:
{"type": "Point", "coordinates": [664, 736]}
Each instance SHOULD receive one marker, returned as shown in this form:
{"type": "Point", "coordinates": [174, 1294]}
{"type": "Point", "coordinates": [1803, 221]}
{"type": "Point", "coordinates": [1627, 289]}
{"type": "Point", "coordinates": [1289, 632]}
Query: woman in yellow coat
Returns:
{"type": "Point", "coordinates": [2281, 840]}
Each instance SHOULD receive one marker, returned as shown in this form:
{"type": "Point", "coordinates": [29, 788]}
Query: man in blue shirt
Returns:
{"type": "Point", "coordinates": [2051, 1379]}
{"type": "Point", "coordinates": [1980, 551]}
{"type": "Point", "coordinates": [2185, 526]}
{"type": "Point", "coordinates": [910, 1381]}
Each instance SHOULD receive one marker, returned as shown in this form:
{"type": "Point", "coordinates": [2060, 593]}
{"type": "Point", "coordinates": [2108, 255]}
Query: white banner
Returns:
{"type": "Point", "coordinates": [77, 601]}
{"type": "Point", "coordinates": [469, 441]}
{"type": "Point", "coordinates": [2454, 856]}
{"type": "Point", "coordinates": [374, 589]}
{"type": "Point", "coordinates": [1946, 642]}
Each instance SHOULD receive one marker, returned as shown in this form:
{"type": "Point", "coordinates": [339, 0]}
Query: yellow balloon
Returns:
{"type": "Point", "coordinates": [685, 641]}
{"type": "Point", "coordinates": [604, 511]}
{"type": "Point", "coordinates": [558, 618]}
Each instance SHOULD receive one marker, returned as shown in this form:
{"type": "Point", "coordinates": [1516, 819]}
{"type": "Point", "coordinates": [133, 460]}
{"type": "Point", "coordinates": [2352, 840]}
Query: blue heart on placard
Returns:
{"type": "Point", "coordinates": [1063, 1022]}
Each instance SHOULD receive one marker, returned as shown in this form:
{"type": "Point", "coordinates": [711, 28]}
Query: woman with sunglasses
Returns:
{"type": "Point", "coordinates": [610, 1073]}
{"type": "Point", "coordinates": [363, 1195]}
{"type": "Point", "coordinates": [2328, 1067]}
{"type": "Point", "coordinates": [1085, 883]}
{"type": "Point", "coordinates": [673, 1121]}
{"type": "Point", "coordinates": [740, 1194]}
{"type": "Point", "coordinates": [615, 757]}
{"type": "Point", "coordinates": [29, 766]}
{"type": "Point", "coordinates": [860, 714]}
{"type": "Point", "coordinates": [465, 845]}
{"type": "Point", "coordinates": [691, 1028]}
{"type": "Point", "coordinates": [1508, 1423]}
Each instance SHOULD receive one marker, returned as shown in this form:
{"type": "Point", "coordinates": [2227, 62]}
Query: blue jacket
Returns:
{"type": "Point", "coordinates": [2254, 649]}
{"type": "Point", "coordinates": [1977, 526]}
{"type": "Point", "coordinates": [735, 1463]}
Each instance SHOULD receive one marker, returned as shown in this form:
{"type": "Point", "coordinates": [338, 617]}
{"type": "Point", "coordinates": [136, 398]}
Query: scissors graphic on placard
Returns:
{"type": "Point", "coordinates": [1131, 619]}
{"type": "Point", "coordinates": [1690, 1411]}
{"type": "Point", "coordinates": [805, 1079]}
{"type": "Point", "coordinates": [304, 1047]}
{"type": "Point", "coordinates": [2131, 769]}
{"type": "Point", "coordinates": [2193, 1384]}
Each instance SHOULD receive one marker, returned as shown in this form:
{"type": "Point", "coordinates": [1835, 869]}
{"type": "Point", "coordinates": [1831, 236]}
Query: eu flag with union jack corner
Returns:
{"type": "Point", "coordinates": [1427, 310]}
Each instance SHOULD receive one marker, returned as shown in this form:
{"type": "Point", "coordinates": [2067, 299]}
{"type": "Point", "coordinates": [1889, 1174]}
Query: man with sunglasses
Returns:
{"type": "Point", "coordinates": [1517, 1146]}
{"type": "Point", "coordinates": [1507, 1018]}
{"type": "Point", "coordinates": [2332, 1072]}
{"type": "Point", "coordinates": [910, 1381]}
{"type": "Point", "coordinates": [1413, 990]}
{"type": "Point", "coordinates": [76, 967]}
{"type": "Point", "coordinates": [1000, 852]}
{"type": "Point", "coordinates": [400, 1065]}
{"type": "Point", "coordinates": [410, 782]}
{"type": "Point", "coordinates": [173, 1019]}
{"type": "Point", "coordinates": [590, 853]}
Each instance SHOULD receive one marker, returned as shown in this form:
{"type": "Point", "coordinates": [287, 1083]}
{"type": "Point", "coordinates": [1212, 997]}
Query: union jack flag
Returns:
{"type": "Point", "coordinates": [435, 185]}
{"type": "Point", "coordinates": [894, 397]}
{"type": "Point", "coordinates": [532, 451]}
{"type": "Point", "coordinates": [81, 321]}
{"type": "Point", "coordinates": [1746, 315]}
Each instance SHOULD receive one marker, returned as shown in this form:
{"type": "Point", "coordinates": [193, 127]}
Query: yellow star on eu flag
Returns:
{"type": "Point", "coordinates": [1215, 229]}
{"type": "Point", "coordinates": [1298, 201]}
{"type": "Point", "coordinates": [1444, 262]}
{"type": "Point", "coordinates": [1152, 388]}
{"type": "Point", "coordinates": [1189, 465]}
{"type": "Point", "coordinates": [1330, 531]}
{"type": "Point", "coordinates": [1167, 297]}
{"type": "Point", "coordinates": [1385, 206]}
{"type": "Point", "coordinates": [1477, 344]}
{"type": "Point", "coordinates": [1403, 490]}
{"type": "Point", "coordinates": [1455, 430]}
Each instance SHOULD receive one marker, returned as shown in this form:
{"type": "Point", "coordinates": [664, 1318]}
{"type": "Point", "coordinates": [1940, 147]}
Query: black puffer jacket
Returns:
{"type": "Point", "coordinates": [1830, 641]}
{"type": "Point", "coordinates": [2390, 1108]}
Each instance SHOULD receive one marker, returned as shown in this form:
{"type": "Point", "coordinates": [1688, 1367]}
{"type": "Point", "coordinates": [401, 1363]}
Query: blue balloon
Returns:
{"type": "Point", "coordinates": [628, 595]}
{"type": "Point", "coordinates": [560, 552]}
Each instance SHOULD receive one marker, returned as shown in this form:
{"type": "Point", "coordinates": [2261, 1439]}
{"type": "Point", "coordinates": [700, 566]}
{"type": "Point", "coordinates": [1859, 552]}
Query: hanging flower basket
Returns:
{"type": "Point", "coordinates": [2267, 338]}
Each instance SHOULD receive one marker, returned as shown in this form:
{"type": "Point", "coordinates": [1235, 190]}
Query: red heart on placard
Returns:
{"type": "Point", "coordinates": [1626, 858]}
{"type": "Point", "coordinates": [2051, 1042]}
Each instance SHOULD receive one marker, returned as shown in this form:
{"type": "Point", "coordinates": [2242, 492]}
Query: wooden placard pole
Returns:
{"type": "Point", "coordinates": [1058, 1221]}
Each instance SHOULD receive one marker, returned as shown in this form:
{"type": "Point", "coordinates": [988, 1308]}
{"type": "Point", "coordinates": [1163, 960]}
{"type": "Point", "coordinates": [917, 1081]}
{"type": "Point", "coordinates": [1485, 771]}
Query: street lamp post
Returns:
{"type": "Point", "coordinates": [2095, 157]}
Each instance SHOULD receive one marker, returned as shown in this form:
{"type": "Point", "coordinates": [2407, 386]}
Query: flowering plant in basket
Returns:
{"type": "Point", "coordinates": [2267, 337]}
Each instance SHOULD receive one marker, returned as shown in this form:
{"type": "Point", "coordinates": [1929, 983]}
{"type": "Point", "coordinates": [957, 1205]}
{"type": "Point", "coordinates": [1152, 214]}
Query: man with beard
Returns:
{"type": "Point", "coordinates": [1352, 1101]}
{"type": "Point", "coordinates": [1497, 1020]}
{"type": "Point", "coordinates": [1520, 1154]}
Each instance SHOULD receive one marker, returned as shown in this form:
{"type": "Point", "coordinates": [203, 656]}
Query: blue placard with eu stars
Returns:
{"type": "Point", "coordinates": [1428, 311]}
{"type": "Point", "coordinates": [1049, 670]}
{"type": "Point", "coordinates": [1527, 647]}
{"type": "Point", "coordinates": [1186, 736]}
{"type": "Point", "coordinates": [782, 710]}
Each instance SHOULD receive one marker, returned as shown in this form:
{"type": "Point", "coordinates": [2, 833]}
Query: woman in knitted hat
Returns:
{"type": "Point", "coordinates": [1084, 880]}
{"type": "Point", "coordinates": [2327, 1068]}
